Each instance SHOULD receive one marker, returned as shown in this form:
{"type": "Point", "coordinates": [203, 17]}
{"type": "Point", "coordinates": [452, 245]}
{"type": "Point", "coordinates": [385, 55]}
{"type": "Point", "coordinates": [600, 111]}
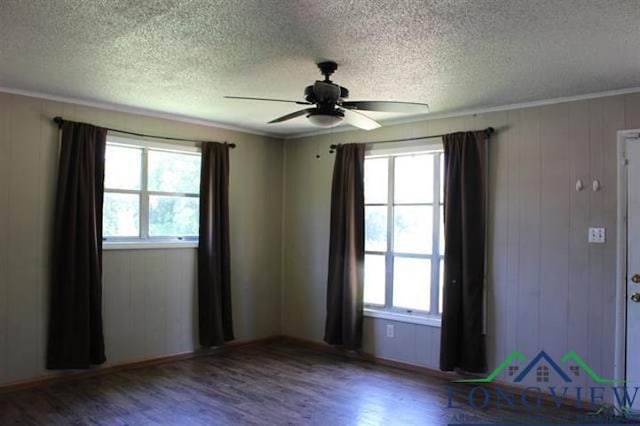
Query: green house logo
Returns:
{"type": "Point", "coordinates": [541, 365]}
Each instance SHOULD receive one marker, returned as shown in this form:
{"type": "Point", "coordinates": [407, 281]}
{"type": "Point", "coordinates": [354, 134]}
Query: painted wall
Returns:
{"type": "Point", "coordinates": [149, 295]}
{"type": "Point", "coordinates": [547, 287]}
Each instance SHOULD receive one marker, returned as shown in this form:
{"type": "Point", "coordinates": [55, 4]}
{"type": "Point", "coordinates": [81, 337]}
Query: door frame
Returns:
{"type": "Point", "coordinates": [620, 362]}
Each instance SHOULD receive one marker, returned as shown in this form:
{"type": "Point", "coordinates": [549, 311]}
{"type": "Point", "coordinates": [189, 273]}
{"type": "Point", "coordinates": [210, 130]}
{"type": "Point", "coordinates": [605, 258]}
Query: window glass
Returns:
{"type": "Point", "coordinates": [173, 216]}
{"type": "Point", "coordinates": [122, 167]}
{"type": "Point", "coordinates": [413, 229]}
{"type": "Point", "coordinates": [414, 179]}
{"type": "Point", "coordinates": [441, 286]}
{"type": "Point", "coordinates": [376, 172]}
{"type": "Point", "coordinates": [163, 203]}
{"type": "Point", "coordinates": [400, 226]}
{"type": "Point", "coordinates": [374, 277]}
{"type": "Point", "coordinates": [441, 178]}
{"type": "Point", "coordinates": [411, 283]}
{"type": "Point", "coordinates": [441, 237]}
{"type": "Point", "coordinates": [121, 215]}
{"type": "Point", "coordinates": [174, 172]}
{"type": "Point", "coordinates": [375, 228]}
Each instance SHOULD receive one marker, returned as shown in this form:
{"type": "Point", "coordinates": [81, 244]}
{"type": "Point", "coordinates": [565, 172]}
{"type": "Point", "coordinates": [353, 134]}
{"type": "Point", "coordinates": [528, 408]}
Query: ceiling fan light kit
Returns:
{"type": "Point", "coordinates": [320, 119]}
{"type": "Point", "coordinates": [331, 109]}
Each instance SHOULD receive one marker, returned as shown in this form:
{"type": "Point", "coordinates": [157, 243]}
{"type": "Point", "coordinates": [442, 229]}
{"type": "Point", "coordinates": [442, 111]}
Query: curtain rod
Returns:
{"type": "Point", "coordinates": [332, 147]}
{"type": "Point", "coordinates": [60, 121]}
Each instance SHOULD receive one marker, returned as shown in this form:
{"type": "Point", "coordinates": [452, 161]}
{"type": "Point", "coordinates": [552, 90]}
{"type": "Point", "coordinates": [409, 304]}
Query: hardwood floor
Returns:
{"type": "Point", "coordinates": [277, 383]}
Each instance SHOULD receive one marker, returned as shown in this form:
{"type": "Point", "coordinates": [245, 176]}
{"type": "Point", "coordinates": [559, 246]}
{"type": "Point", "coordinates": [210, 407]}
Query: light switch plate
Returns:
{"type": "Point", "coordinates": [597, 235]}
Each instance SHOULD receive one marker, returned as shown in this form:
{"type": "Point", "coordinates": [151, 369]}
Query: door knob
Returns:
{"type": "Point", "coordinates": [635, 278]}
{"type": "Point", "coordinates": [635, 297]}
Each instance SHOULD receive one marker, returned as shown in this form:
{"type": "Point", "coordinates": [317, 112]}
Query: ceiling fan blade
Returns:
{"type": "Point", "coordinates": [387, 106]}
{"type": "Point", "coordinates": [359, 120]}
{"type": "Point", "coordinates": [290, 116]}
{"type": "Point", "coordinates": [268, 99]}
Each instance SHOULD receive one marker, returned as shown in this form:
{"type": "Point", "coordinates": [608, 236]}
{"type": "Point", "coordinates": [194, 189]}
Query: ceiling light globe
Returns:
{"type": "Point", "coordinates": [325, 120]}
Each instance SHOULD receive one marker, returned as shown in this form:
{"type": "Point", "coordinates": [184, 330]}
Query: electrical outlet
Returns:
{"type": "Point", "coordinates": [389, 330]}
{"type": "Point", "coordinates": [597, 235]}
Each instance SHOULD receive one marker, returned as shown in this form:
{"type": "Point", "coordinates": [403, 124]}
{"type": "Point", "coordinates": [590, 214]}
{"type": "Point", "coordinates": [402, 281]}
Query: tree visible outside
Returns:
{"type": "Point", "coordinates": [170, 214]}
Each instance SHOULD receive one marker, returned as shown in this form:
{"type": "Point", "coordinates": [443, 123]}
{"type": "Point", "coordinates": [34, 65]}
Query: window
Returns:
{"type": "Point", "coordinates": [151, 192]}
{"type": "Point", "coordinates": [404, 241]}
{"type": "Point", "coordinates": [542, 373]}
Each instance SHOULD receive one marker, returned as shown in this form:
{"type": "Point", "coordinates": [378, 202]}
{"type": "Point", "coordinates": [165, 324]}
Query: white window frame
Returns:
{"type": "Point", "coordinates": [144, 241]}
{"type": "Point", "coordinates": [389, 312]}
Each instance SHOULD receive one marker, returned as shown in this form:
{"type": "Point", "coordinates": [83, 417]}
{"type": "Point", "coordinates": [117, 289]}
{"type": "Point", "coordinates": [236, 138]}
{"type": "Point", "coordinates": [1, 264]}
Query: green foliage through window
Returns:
{"type": "Point", "coordinates": [150, 193]}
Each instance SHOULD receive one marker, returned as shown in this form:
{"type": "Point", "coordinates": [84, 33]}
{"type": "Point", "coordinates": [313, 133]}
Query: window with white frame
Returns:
{"type": "Point", "coordinates": [151, 192]}
{"type": "Point", "coordinates": [404, 236]}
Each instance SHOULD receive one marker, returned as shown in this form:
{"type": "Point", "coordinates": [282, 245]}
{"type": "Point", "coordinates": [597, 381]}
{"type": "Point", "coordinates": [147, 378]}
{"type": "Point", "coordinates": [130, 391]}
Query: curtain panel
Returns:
{"type": "Point", "coordinates": [345, 285]}
{"type": "Point", "coordinates": [75, 338]}
{"type": "Point", "coordinates": [462, 344]}
{"type": "Point", "coordinates": [214, 276]}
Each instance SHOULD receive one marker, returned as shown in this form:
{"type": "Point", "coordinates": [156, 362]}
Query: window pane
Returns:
{"type": "Point", "coordinates": [173, 216]}
{"type": "Point", "coordinates": [414, 179]}
{"type": "Point", "coordinates": [121, 215]}
{"type": "Point", "coordinates": [173, 172]}
{"type": "Point", "coordinates": [375, 228]}
{"type": "Point", "coordinates": [441, 177]}
{"type": "Point", "coordinates": [441, 286]}
{"type": "Point", "coordinates": [374, 278]}
{"type": "Point", "coordinates": [413, 229]}
{"type": "Point", "coordinates": [441, 238]}
{"type": "Point", "coordinates": [122, 167]}
{"type": "Point", "coordinates": [376, 171]}
{"type": "Point", "coordinates": [411, 283]}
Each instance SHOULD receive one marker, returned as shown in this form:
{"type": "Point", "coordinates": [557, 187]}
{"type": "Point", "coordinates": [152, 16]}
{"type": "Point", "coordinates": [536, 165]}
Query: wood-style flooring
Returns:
{"type": "Point", "coordinates": [276, 383]}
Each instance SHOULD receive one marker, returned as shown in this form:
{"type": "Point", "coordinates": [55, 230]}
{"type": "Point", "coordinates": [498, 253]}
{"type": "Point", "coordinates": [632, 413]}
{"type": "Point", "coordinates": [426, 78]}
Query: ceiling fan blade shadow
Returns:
{"type": "Point", "coordinates": [387, 106]}
{"type": "Point", "coordinates": [290, 116]}
{"type": "Point", "coordinates": [267, 99]}
{"type": "Point", "coordinates": [360, 120]}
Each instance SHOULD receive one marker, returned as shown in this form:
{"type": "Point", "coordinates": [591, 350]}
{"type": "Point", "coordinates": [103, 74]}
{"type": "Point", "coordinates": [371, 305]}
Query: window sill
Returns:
{"type": "Point", "coordinates": [403, 317]}
{"type": "Point", "coordinates": [152, 245]}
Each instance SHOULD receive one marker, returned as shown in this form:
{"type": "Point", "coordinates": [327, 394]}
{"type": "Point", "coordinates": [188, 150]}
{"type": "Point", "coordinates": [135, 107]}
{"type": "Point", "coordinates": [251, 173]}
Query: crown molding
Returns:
{"type": "Point", "coordinates": [472, 111]}
{"type": "Point", "coordinates": [135, 110]}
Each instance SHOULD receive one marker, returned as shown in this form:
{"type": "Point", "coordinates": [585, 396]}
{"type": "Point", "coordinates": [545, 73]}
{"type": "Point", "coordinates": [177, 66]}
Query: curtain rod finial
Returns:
{"type": "Point", "coordinates": [59, 121]}
{"type": "Point", "coordinates": [490, 130]}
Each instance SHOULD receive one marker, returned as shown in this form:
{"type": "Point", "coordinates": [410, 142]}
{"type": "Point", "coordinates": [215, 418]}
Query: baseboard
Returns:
{"type": "Point", "coordinates": [60, 377]}
{"type": "Point", "coordinates": [424, 370]}
{"type": "Point", "coordinates": [366, 356]}
{"type": "Point", "coordinates": [66, 376]}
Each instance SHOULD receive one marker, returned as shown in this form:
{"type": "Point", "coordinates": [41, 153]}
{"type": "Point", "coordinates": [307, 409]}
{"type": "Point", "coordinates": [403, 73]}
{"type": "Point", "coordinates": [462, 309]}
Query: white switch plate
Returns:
{"type": "Point", "coordinates": [597, 235]}
{"type": "Point", "coordinates": [389, 330]}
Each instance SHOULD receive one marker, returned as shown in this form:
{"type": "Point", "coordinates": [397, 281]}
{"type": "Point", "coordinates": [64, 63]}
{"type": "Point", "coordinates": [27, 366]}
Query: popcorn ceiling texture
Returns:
{"type": "Point", "coordinates": [181, 56]}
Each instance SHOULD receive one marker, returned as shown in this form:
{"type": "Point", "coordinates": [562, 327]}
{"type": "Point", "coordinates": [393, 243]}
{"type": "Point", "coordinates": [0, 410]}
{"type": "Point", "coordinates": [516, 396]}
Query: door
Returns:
{"type": "Point", "coordinates": [632, 148]}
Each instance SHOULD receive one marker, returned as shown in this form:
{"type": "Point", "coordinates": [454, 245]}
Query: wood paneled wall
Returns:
{"type": "Point", "coordinates": [149, 295]}
{"type": "Point", "coordinates": [548, 289]}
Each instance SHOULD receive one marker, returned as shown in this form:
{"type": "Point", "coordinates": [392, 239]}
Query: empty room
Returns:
{"type": "Point", "coordinates": [328, 212]}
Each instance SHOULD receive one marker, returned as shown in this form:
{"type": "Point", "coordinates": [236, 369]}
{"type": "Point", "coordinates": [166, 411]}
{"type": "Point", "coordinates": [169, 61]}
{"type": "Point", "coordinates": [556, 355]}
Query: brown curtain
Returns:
{"type": "Point", "coordinates": [214, 277]}
{"type": "Point", "coordinates": [345, 286]}
{"type": "Point", "coordinates": [462, 344]}
{"type": "Point", "coordinates": [75, 314]}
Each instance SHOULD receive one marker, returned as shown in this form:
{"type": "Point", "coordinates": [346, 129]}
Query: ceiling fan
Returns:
{"type": "Point", "coordinates": [330, 107]}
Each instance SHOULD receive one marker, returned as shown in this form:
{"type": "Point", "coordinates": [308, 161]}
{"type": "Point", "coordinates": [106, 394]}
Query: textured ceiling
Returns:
{"type": "Point", "coordinates": [182, 57]}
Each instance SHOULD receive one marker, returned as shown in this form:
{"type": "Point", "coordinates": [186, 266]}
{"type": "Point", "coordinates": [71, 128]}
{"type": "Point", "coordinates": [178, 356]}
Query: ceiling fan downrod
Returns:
{"type": "Point", "coordinates": [327, 68]}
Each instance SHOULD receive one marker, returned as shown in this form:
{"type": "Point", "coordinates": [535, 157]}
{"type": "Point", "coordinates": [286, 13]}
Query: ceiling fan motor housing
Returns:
{"type": "Point", "coordinates": [325, 93]}
{"type": "Point", "coordinates": [330, 108]}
